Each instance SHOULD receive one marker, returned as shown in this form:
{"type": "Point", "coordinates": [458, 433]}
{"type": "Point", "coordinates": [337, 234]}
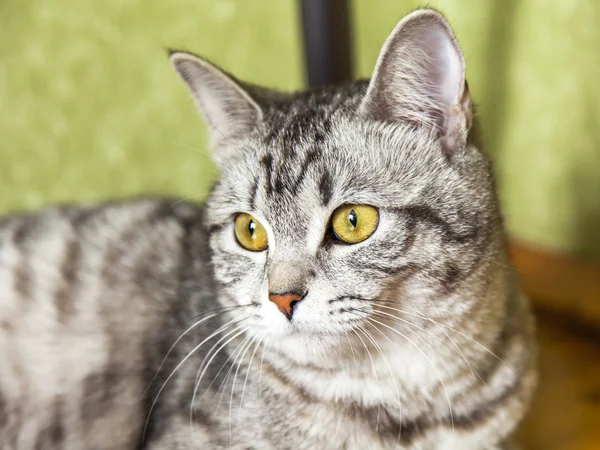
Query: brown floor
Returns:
{"type": "Point", "coordinates": [566, 411]}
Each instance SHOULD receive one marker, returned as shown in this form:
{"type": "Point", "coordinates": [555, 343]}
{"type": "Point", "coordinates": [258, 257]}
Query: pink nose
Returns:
{"type": "Point", "coordinates": [285, 302]}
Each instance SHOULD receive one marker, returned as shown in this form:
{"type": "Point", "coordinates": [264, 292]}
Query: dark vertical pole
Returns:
{"type": "Point", "coordinates": [326, 39]}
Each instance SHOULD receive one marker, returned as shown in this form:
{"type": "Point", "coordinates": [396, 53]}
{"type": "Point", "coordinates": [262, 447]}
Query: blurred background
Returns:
{"type": "Point", "coordinates": [90, 109]}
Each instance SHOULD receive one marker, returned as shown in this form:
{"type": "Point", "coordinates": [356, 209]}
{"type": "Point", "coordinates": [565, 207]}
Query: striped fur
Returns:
{"type": "Point", "coordinates": [144, 324]}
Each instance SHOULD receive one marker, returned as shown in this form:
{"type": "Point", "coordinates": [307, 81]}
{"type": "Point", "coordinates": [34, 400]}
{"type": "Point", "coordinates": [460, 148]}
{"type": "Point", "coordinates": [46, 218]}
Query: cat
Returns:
{"type": "Point", "coordinates": [345, 286]}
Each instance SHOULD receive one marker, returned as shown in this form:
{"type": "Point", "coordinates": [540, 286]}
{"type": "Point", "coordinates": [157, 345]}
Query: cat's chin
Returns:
{"type": "Point", "coordinates": [293, 331]}
{"type": "Point", "coordinates": [307, 348]}
{"type": "Point", "coordinates": [311, 327]}
{"type": "Point", "coordinates": [309, 344]}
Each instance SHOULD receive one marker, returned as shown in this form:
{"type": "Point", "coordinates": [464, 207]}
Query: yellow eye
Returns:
{"type": "Point", "coordinates": [354, 223]}
{"type": "Point", "coordinates": [250, 233]}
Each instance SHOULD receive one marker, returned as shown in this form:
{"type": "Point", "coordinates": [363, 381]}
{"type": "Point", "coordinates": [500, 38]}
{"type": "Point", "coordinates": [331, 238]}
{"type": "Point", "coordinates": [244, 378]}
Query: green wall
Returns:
{"type": "Point", "coordinates": [89, 107]}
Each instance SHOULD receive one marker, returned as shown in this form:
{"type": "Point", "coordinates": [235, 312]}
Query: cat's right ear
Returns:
{"type": "Point", "coordinates": [229, 111]}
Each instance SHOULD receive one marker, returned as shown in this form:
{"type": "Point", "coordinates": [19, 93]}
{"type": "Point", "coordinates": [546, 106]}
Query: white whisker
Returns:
{"type": "Point", "coordinates": [194, 350]}
{"type": "Point", "coordinates": [237, 370]}
{"type": "Point", "coordinates": [262, 359]}
{"type": "Point", "coordinates": [246, 380]}
{"type": "Point", "coordinates": [236, 352]}
{"type": "Point", "coordinates": [451, 329]}
{"type": "Point", "coordinates": [475, 374]}
{"type": "Point", "coordinates": [193, 149]}
{"type": "Point", "coordinates": [353, 353]}
{"type": "Point", "coordinates": [386, 361]}
{"type": "Point", "coordinates": [428, 359]}
{"type": "Point", "coordinates": [376, 377]}
{"type": "Point", "coordinates": [221, 311]}
{"type": "Point", "coordinates": [213, 356]}
{"type": "Point", "coordinates": [203, 367]}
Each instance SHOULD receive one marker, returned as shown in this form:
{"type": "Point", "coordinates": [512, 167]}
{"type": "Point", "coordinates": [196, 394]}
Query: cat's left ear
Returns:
{"type": "Point", "coordinates": [420, 78]}
{"type": "Point", "coordinates": [229, 111]}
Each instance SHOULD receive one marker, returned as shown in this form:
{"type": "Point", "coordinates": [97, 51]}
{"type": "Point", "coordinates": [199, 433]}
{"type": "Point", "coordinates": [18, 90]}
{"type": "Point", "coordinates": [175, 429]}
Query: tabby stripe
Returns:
{"type": "Point", "coordinates": [53, 435]}
{"type": "Point", "coordinates": [3, 413]}
{"type": "Point", "coordinates": [8, 328]}
{"type": "Point", "coordinates": [451, 277]}
{"type": "Point", "coordinates": [326, 188]}
{"type": "Point", "coordinates": [22, 270]}
{"type": "Point", "coordinates": [64, 296]}
{"type": "Point", "coordinates": [357, 311]}
{"type": "Point", "coordinates": [268, 369]}
{"type": "Point", "coordinates": [83, 216]}
{"type": "Point", "coordinates": [267, 162]}
{"type": "Point", "coordinates": [423, 213]}
{"type": "Point", "coordinates": [324, 131]}
{"type": "Point", "coordinates": [99, 390]}
{"type": "Point", "coordinates": [311, 158]}
{"type": "Point", "coordinates": [406, 270]}
{"type": "Point", "coordinates": [408, 243]}
{"type": "Point", "coordinates": [216, 228]}
{"type": "Point", "coordinates": [279, 185]}
{"type": "Point", "coordinates": [475, 418]}
{"type": "Point", "coordinates": [349, 297]}
{"type": "Point", "coordinates": [387, 425]}
{"type": "Point", "coordinates": [113, 254]}
{"type": "Point", "coordinates": [486, 410]}
{"type": "Point", "coordinates": [411, 430]}
{"type": "Point", "coordinates": [253, 194]}
{"type": "Point", "coordinates": [57, 431]}
{"type": "Point", "coordinates": [199, 416]}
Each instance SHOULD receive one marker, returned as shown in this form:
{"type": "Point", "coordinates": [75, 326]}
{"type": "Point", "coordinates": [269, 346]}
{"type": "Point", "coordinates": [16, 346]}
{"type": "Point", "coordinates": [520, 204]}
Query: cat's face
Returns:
{"type": "Point", "coordinates": [406, 251]}
{"type": "Point", "coordinates": [334, 202]}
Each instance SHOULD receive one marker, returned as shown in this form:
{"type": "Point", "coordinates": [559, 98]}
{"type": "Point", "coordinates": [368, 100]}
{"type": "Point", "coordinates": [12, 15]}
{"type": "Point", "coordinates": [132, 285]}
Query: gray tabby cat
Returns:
{"type": "Point", "coordinates": [346, 285]}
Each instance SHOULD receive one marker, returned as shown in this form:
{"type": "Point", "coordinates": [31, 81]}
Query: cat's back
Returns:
{"type": "Point", "coordinates": [80, 289]}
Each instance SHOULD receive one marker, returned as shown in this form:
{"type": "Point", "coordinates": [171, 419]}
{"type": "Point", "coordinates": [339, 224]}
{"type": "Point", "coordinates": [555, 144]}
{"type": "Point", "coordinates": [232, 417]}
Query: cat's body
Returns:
{"type": "Point", "coordinates": [416, 337]}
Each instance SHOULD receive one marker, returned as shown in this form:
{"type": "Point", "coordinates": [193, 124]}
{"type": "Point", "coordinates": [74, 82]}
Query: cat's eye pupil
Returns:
{"type": "Point", "coordinates": [352, 218]}
{"type": "Point", "coordinates": [251, 227]}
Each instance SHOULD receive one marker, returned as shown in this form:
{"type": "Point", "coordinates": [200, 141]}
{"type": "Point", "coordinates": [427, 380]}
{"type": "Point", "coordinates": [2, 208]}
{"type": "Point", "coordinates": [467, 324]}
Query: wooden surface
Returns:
{"type": "Point", "coordinates": [566, 411]}
{"type": "Point", "coordinates": [566, 292]}
{"type": "Point", "coordinates": [560, 283]}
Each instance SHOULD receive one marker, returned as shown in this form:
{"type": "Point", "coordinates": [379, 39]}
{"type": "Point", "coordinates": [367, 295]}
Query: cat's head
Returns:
{"type": "Point", "coordinates": [334, 201]}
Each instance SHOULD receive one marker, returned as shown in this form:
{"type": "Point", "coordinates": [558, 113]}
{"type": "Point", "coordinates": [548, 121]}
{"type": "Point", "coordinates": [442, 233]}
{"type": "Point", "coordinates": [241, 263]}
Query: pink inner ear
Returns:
{"type": "Point", "coordinates": [450, 69]}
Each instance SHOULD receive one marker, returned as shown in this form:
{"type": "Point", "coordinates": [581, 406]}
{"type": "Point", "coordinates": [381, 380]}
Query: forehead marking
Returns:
{"type": "Point", "coordinates": [282, 179]}
{"type": "Point", "coordinates": [325, 188]}
{"type": "Point", "coordinates": [267, 163]}
{"type": "Point", "coordinates": [253, 194]}
{"type": "Point", "coordinates": [311, 158]}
